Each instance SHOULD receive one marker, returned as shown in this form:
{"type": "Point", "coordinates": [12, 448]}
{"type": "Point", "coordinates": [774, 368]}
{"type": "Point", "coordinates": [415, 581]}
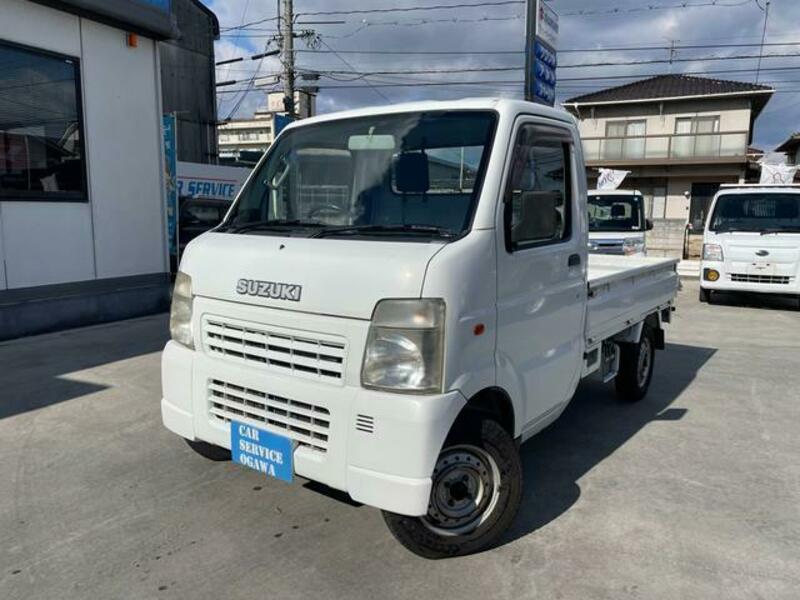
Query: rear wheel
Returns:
{"type": "Point", "coordinates": [210, 451]}
{"type": "Point", "coordinates": [636, 363]}
{"type": "Point", "coordinates": [476, 492]}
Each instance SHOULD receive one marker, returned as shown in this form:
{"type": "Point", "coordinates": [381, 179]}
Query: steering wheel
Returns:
{"type": "Point", "coordinates": [327, 210]}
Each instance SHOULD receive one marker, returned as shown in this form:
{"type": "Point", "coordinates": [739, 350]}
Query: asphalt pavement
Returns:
{"type": "Point", "coordinates": [692, 493]}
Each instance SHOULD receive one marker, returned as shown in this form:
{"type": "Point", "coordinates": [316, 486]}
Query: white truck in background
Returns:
{"type": "Point", "coordinates": [617, 222]}
{"type": "Point", "coordinates": [751, 241]}
{"type": "Point", "coordinates": [394, 328]}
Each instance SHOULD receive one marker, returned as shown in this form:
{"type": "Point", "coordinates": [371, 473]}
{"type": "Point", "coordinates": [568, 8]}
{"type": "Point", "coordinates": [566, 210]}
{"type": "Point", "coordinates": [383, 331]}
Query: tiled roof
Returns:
{"type": "Point", "coordinates": [790, 145]}
{"type": "Point", "coordinates": [669, 86]}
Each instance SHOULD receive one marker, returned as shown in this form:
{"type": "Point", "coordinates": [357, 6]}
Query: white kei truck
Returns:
{"type": "Point", "coordinates": [751, 241]}
{"type": "Point", "coordinates": [617, 222]}
{"type": "Point", "coordinates": [398, 297]}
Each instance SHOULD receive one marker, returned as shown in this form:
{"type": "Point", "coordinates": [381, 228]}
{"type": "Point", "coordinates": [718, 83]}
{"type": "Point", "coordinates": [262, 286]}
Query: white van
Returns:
{"type": "Point", "coordinates": [617, 222]}
{"type": "Point", "coordinates": [751, 241]}
{"type": "Point", "coordinates": [396, 326]}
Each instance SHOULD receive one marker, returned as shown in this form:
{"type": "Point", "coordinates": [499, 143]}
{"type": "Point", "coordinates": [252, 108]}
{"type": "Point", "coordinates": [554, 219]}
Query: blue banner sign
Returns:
{"type": "Point", "coordinates": [545, 55]}
{"type": "Point", "coordinates": [545, 74]}
{"type": "Point", "coordinates": [262, 451]}
{"type": "Point", "coordinates": [171, 180]}
{"type": "Point", "coordinates": [281, 121]}
{"type": "Point", "coordinates": [541, 57]}
{"type": "Point", "coordinates": [544, 93]}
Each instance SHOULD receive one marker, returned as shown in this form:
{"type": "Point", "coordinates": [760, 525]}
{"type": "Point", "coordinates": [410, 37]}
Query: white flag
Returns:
{"type": "Point", "coordinates": [777, 174]}
{"type": "Point", "coordinates": [610, 179]}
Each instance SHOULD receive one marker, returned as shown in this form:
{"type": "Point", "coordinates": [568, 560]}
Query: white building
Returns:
{"type": "Point", "coordinates": [680, 137]}
{"type": "Point", "coordinates": [82, 217]}
{"type": "Point", "coordinates": [238, 136]}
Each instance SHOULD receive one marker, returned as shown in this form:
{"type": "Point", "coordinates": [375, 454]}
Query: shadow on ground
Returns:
{"type": "Point", "coordinates": [594, 426]}
{"type": "Point", "coordinates": [754, 300]}
{"type": "Point", "coordinates": [34, 371]}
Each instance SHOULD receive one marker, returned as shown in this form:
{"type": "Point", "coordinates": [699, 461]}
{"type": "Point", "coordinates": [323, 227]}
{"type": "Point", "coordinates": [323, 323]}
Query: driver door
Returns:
{"type": "Point", "coordinates": [541, 268]}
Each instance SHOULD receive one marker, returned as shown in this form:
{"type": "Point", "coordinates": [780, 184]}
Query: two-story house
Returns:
{"type": "Point", "coordinates": [791, 148]}
{"type": "Point", "coordinates": [679, 136]}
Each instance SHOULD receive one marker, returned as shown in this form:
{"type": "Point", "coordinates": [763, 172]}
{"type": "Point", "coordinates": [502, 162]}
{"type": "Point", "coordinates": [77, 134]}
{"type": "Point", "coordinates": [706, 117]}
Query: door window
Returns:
{"type": "Point", "coordinates": [537, 198]}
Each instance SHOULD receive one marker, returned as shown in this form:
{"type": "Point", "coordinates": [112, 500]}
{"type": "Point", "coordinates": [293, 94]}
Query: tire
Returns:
{"type": "Point", "coordinates": [705, 295]}
{"type": "Point", "coordinates": [210, 451]}
{"type": "Point", "coordinates": [477, 456]}
{"type": "Point", "coordinates": [636, 363]}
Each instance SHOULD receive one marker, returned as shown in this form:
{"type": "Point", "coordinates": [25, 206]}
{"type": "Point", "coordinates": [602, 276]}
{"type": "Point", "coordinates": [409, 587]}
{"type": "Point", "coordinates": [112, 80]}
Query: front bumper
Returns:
{"type": "Point", "coordinates": [381, 447]}
{"type": "Point", "coordinates": [790, 284]}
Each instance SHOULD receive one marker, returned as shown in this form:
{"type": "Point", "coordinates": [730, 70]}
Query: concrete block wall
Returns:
{"type": "Point", "coordinates": [666, 238]}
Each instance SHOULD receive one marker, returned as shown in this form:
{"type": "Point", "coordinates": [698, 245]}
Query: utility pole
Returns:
{"type": "Point", "coordinates": [287, 46]}
{"type": "Point", "coordinates": [763, 37]}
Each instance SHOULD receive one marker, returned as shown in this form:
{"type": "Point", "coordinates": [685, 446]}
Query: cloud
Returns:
{"type": "Point", "coordinates": [488, 28]}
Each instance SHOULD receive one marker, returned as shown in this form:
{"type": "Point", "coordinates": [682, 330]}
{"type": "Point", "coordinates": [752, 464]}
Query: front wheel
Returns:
{"type": "Point", "coordinates": [476, 492]}
{"type": "Point", "coordinates": [636, 367]}
{"type": "Point", "coordinates": [705, 295]}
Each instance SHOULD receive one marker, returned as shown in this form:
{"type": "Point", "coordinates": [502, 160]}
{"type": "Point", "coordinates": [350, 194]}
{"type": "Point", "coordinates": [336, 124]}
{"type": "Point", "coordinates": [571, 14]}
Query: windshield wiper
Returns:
{"type": "Point", "coordinates": [780, 230]}
{"type": "Point", "coordinates": [731, 229]}
{"type": "Point", "coordinates": [273, 225]}
{"type": "Point", "coordinates": [389, 229]}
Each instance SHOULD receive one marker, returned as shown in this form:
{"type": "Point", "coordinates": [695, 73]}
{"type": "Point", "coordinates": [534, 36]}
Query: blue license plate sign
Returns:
{"type": "Point", "coordinates": [261, 450]}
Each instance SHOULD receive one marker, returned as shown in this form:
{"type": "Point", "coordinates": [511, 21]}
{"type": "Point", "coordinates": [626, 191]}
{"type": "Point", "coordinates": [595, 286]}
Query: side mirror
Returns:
{"type": "Point", "coordinates": [648, 225]}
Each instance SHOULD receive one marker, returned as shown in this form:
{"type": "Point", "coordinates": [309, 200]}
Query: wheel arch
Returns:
{"type": "Point", "coordinates": [494, 402]}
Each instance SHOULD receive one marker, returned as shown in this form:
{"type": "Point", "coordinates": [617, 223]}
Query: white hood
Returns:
{"type": "Point", "coordinates": [341, 277]}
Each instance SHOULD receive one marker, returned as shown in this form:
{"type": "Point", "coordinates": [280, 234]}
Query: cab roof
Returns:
{"type": "Point", "coordinates": [505, 106]}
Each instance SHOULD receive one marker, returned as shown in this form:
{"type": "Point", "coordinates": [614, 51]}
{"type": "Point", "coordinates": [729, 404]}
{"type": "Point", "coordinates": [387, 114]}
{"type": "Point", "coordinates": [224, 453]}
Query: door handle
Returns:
{"type": "Point", "coordinates": [574, 260]}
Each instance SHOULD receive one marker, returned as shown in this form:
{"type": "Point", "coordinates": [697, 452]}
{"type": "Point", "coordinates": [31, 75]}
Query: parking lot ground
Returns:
{"type": "Point", "coordinates": [692, 493]}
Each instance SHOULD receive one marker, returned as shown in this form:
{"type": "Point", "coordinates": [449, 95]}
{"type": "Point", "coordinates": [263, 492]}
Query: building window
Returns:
{"type": "Point", "coordinates": [41, 131]}
{"type": "Point", "coordinates": [696, 137]}
{"type": "Point", "coordinates": [625, 139]}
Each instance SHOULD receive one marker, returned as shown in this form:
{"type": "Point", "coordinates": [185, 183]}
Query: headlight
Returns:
{"type": "Point", "coordinates": [404, 348]}
{"type": "Point", "coordinates": [712, 252]}
{"type": "Point", "coordinates": [632, 246]}
{"type": "Point", "coordinates": [180, 315]}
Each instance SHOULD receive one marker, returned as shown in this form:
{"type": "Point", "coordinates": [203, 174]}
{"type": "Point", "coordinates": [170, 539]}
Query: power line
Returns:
{"type": "Point", "coordinates": [379, 93]}
{"type": "Point", "coordinates": [445, 70]}
{"type": "Point", "coordinates": [367, 11]}
{"type": "Point", "coordinates": [564, 51]}
{"type": "Point", "coordinates": [514, 52]}
{"type": "Point", "coordinates": [563, 80]}
{"type": "Point", "coordinates": [624, 10]}
{"type": "Point", "coordinates": [763, 36]}
{"type": "Point", "coordinates": [679, 60]}
{"type": "Point", "coordinates": [413, 23]}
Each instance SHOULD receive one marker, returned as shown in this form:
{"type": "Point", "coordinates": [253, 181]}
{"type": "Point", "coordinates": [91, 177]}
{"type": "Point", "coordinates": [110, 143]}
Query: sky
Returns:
{"type": "Point", "coordinates": [499, 26]}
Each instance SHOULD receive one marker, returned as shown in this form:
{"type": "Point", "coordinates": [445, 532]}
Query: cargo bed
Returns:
{"type": "Point", "coordinates": [623, 290]}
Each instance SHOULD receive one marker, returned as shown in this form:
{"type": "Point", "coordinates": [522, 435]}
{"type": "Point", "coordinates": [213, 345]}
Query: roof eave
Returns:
{"type": "Point", "coordinates": [748, 93]}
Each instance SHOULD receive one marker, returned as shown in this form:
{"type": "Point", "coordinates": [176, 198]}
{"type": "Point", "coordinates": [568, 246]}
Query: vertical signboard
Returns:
{"type": "Point", "coordinates": [281, 121]}
{"type": "Point", "coordinates": [171, 182]}
{"type": "Point", "coordinates": [540, 53]}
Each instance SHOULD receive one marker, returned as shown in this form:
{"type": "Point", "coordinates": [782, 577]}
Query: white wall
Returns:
{"type": "Point", "coordinates": [123, 127]}
{"type": "Point", "coordinates": [734, 115]}
{"type": "Point", "coordinates": [120, 232]}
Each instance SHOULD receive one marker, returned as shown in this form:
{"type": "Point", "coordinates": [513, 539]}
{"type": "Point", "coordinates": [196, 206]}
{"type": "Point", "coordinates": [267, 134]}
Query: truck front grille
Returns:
{"type": "Point", "coordinates": [774, 279]}
{"type": "Point", "coordinates": [306, 423]}
{"type": "Point", "coordinates": [606, 247]}
{"type": "Point", "coordinates": [302, 355]}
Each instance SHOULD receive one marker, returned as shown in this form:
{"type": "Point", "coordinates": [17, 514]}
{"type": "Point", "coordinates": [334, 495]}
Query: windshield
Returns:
{"type": "Point", "coordinates": [620, 212]}
{"type": "Point", "coordinates": [414, 174]}
{"type": "Point", "coordinates": [763, 212]}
